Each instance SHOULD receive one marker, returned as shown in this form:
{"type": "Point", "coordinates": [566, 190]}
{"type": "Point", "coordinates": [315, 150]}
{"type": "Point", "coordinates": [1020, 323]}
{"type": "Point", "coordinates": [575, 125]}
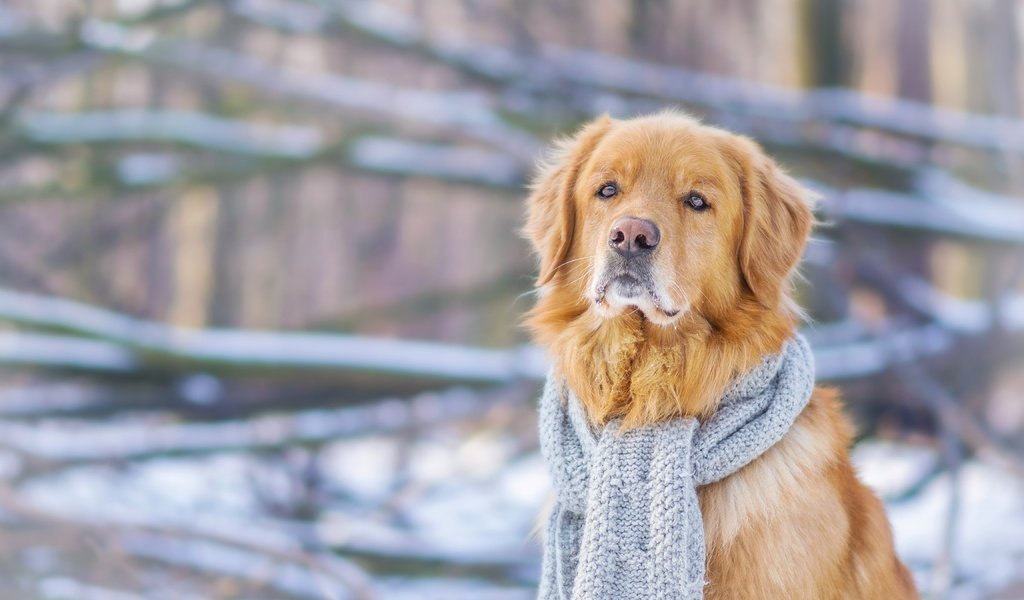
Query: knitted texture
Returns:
{"type": "Point", "coordinates": [627, 522]}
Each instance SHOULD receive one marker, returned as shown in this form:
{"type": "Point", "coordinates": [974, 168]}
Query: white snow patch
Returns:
{"type": "Point", "coordinates": [988, 551]}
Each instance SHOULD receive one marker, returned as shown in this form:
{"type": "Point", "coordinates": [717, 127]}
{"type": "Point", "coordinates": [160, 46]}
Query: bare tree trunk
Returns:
{"type": "Point", "coordinates": [914, 74]}
{"type": "Point", "coordinates": [825, 48]}
{"type": "Point", "coordinates": [648, 28]}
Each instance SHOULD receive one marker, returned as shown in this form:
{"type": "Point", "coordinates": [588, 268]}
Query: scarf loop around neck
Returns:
{"type": "Point", "coordinates": [627, 521]}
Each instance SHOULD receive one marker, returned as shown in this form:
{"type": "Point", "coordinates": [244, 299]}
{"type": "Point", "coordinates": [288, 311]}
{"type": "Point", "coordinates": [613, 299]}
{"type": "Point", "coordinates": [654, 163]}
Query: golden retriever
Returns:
{"type": "Point", "coordinates": [667, 250]}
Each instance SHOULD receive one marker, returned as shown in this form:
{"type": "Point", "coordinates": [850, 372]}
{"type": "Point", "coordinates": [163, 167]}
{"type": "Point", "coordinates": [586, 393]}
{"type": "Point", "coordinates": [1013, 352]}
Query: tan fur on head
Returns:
{"type": "Point", "coordinates": [661, 334]}
{"type": "Point", "coordinates": [725, 272]}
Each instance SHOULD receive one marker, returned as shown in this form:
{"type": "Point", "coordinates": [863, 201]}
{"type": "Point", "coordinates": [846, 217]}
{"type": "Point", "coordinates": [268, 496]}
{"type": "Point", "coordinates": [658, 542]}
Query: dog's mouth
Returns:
{"type": "Point", "coordinates": [628, 286]}
{"type": "Point", "coordinates": [629, 290]}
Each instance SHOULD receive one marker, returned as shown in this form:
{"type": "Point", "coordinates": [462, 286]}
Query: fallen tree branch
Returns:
{"type": "Point", "coordinates": [283, 567]}
{"type": "Point", "coordinates": [126, 344]}
{"type": "Point", "coordinates": [191, 128]}
{"type": "Point", "coordinates": [940, 214]}
{"type": "Point", "coordinates": [54, 444]}
{"type": "Point", "coordinates": [316, 578]}
{"type": "Point", "coordinates": [62, 351]}
{"type": "Point", "coordinates": [464, 114]}
{"type": "Point", "coordinates": [158, 344]}
{"type": "Point", "coordinates": [137, 171]}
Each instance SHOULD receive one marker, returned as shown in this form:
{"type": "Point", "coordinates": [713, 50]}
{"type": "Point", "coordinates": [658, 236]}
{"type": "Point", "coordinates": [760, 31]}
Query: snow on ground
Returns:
{"type": "Point", "coordinates": [988, 549]}
{"type": "Point", "coordinates": [475, 499]}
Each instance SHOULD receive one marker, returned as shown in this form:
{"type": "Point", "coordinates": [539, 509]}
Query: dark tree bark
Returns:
{"type": "Point", "coordinates": [913, 53]}
{"type": "Point", "coordinates": [826, 56]}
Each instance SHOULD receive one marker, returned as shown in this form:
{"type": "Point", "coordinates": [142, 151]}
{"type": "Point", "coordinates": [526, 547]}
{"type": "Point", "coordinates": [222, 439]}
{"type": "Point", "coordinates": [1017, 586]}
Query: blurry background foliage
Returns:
{"type": "Point", "coordinates": [260, 275]}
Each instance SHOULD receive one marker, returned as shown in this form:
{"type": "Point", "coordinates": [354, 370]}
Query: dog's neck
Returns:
{"type": "Point", "coordinates": [628, 367]}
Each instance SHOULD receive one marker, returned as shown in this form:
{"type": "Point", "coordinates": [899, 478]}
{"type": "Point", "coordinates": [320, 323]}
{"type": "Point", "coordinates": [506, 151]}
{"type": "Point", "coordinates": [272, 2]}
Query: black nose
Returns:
{"type": "Point", "coordinates": [631, 236]}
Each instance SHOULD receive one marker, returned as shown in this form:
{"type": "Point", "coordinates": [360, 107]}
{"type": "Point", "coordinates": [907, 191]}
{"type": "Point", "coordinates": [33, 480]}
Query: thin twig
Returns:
{"type": "Point", "coordinates": [930, 393]}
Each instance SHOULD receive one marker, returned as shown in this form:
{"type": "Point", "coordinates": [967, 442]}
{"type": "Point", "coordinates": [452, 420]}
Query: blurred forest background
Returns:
{"type": "Point", "coordinates": [260, 275]}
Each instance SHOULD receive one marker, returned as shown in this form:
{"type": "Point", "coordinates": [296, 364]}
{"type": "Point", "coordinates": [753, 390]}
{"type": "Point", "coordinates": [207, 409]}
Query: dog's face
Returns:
{"type": "Point", "coordinates": [663, 215]}
{"type": "Point", "coordinates": [658, 208]}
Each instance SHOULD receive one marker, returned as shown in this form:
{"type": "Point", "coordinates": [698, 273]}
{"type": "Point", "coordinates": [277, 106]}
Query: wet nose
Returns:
{"type": "Point", "coordinates": [631, 236]}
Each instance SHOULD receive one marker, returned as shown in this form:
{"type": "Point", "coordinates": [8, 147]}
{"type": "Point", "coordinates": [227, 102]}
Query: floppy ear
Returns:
{"type": "Point", "coordinates": [551, 217]}
{"type": "Point", "coordinates": [777, 221]}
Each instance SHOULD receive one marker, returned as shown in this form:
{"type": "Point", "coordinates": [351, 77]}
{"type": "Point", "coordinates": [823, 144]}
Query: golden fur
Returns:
{"type": "Point", "coordinates": [796, 523]}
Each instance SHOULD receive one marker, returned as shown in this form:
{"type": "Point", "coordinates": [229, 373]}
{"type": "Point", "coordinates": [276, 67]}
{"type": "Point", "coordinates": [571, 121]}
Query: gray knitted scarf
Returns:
{"type": "Point", "coordinates": [627, 521]}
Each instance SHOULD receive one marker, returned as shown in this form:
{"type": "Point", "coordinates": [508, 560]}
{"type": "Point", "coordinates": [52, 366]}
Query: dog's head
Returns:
{"type": "Point", "coordinates": [666, 216]}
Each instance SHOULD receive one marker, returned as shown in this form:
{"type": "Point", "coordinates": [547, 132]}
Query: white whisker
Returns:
{"type": "Point", "coordinates": [568, 262]}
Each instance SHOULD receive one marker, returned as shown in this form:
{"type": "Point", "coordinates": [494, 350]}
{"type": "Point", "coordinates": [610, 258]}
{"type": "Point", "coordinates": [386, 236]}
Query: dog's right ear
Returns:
{"type": "Point", "coordinates": [551, 216]}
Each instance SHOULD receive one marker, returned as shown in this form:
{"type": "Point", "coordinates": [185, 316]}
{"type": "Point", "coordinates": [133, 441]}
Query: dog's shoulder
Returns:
{"type": "Point", "coordinates": [793, 473]}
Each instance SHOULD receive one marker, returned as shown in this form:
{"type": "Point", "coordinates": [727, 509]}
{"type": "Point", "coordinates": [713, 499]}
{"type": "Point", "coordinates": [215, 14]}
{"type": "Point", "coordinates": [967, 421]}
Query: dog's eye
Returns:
{"type": "Point", "coordinates": [696, 201]}
{"type": "Point", "coordinates": [607, 191]}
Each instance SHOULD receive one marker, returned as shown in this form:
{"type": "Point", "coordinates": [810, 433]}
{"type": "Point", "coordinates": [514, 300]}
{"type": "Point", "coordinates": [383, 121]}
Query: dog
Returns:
{"type": "Point", "coordinates": [667, 253]}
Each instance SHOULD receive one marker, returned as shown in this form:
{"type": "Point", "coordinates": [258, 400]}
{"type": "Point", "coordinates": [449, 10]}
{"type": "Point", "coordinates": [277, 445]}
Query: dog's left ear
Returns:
{"type": "Point", "coordinates": [777, 220]}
